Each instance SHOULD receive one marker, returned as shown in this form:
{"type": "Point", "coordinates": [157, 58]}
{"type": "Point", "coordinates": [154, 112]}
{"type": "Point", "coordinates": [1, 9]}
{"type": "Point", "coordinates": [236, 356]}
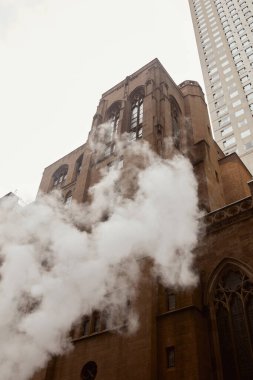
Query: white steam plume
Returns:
{"type": "Point", "coordinates": [58, 263]}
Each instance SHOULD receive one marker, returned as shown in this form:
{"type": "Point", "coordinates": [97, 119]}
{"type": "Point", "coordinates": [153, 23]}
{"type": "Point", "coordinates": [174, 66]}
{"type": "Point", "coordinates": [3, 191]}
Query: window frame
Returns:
{"type": "Point", "coordinates": [59, 176]}
{"type": "Point", "coordinates": [212, 300]}
{"type": "Point", "coordinates": [136, 116]}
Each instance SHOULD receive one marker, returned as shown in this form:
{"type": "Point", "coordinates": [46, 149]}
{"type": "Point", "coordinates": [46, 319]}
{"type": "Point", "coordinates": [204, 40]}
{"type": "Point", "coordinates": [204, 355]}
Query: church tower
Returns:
{"type": "Point", "coordinates": [183, 334]}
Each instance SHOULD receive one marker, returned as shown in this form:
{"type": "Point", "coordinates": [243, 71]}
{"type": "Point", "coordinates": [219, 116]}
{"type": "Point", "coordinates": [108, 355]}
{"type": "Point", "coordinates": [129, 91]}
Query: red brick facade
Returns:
{"type": "Point", "coordinates": [178, 337]}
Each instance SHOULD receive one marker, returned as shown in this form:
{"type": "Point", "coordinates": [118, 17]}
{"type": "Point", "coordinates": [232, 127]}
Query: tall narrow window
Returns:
{"type": "Point", "coordinates": [112, 130]}
{"type": "Point", "coordinates": [96, 322]}
{"type": "Point", "coordinates": [85, 326]}
{"type": "Point", "coordinates": [170, 356]}
{"type": "Point", "coordinates": [78, 167]}
{"type": "Point", "coordinates": [233, 301]}
{"type": "Point", "coordinates": [136, 117]}
{"type": "Point", "coordinates": [175, 125]}
{"type": "Point", "coordinates": [68, 199]}
{"type": "Point", "coordinates": [171, 300]}
{"type": "Point", "coordinates": [104, 318]}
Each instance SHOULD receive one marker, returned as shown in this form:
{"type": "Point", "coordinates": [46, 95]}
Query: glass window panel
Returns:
{"type": "Point", "coordinates": [226, 345]}
{"type": "Point", "coordinates": [247, 87]}
{"type": "Point", "coordinates": [239, 113]}
{"type": "Point", "coordinates": [85, 326]}
{"type": "Point", "coordinates": [236, 103]}
{"type": "Point", "coordinates": [134, 123]}
{"type": "Point", "coordinates": [234, 317]}
{"type": "Point", "coordinates": [226, 131]}
{"type": "Point", "coordinates": [245, 133]}
{"type": "Point", "coordinates": [170, 353]}
{"type": "Point", "coordinates": [229, 142]}
{"type": "Point", "coordinates": [242, 123]}
{"type": "Point", "coordinates": [96, 322]}
{"type": "Point", "coordinates": [250, 314]}
{"type": "Point", "coordinates": [132, 135]}
{"type": "Point", "coordinates": [171, 300]}
{"type": "Point", "coordinates": [241, 338]}
{"type": "Point", "coordinates": [248, 145]}
{"type": "Point", "coordinates": [136, 118]}
{"type": "Point", "coordinates": [250, 96]}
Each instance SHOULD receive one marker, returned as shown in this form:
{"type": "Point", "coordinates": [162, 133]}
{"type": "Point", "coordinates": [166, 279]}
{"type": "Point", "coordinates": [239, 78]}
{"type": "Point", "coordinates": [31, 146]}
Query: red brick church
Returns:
{"type": "Point", "coordinates": [205, 333]}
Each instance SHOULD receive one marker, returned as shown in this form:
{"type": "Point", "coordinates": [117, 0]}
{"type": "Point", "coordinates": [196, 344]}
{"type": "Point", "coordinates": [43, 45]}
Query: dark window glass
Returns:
{"type": "Point", "coordinates": [79, 165]}
{"type": "Point", "coordinates": [175, 126]}
{"type": "Point", "coordinates": [242, 342]}
{"type": "Point", "coordinates": [234, 317]}
{"type": "Point", "coordinates": [85, 326]}
{"type": "Point", "coordinates": [96, 322]}
{"type": "Point", "coordinates": [170, 354]}
{"type": "Point", "coordinates": [250, 314]}
{"type": "Point", "coordinates": [226, 346]}
{"type": "Point", "coordinates": [89, 371]}
{"type": "Point", "coordinates": [171, 301]}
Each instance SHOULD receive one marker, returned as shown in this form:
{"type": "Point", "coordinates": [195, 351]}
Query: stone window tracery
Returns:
{"type": "Point", "coordinates": [136, 122]}
{"type": "Point", "coordinates": [233, 306]}
{"type": "Point", "coordinates": [60, 175]}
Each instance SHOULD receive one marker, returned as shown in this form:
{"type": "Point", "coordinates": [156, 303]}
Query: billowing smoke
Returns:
{"type": "Point", "coordinates": [58, 263]}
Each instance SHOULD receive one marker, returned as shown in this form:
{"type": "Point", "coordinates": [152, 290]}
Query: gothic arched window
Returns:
{"type": "Point", "coordinates": [136, 117]}
{"type": "Point", "coordinates": [233, 306]}
{"type": "Point", "coordinates": [60, 175]}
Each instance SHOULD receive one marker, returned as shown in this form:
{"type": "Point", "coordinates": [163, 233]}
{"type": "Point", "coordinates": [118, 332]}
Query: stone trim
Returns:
{"type": "Point", "coordinates": [229, 214]}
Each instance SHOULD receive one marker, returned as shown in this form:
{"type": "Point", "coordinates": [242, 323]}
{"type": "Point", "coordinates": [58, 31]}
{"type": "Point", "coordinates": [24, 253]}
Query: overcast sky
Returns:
{"type": "Point", "coordinates": [57, 57]}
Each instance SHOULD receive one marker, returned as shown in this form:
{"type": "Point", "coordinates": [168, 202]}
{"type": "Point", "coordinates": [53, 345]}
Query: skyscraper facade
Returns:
{"type": "Point", "coordinates": [223, 30]}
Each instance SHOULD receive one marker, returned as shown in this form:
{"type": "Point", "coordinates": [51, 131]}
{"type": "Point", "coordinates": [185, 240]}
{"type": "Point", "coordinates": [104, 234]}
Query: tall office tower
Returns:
{"type": "Point", "coordinates": [223, 30]}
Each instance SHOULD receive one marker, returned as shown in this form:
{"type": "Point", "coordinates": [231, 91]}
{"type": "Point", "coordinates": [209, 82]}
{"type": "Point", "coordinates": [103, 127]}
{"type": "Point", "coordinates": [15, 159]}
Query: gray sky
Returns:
{"type": "Point", "coordinates": [57, 57]}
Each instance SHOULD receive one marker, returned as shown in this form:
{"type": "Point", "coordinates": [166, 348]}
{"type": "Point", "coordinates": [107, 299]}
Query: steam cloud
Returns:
{"type": "Point", "coordinates": [58, 263]}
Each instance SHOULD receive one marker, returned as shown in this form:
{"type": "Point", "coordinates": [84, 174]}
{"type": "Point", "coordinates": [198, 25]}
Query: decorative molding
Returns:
{"type": "Point", "coordinates": [230, 214]}
{"type": "Point", "coordinates": [188, 83]}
